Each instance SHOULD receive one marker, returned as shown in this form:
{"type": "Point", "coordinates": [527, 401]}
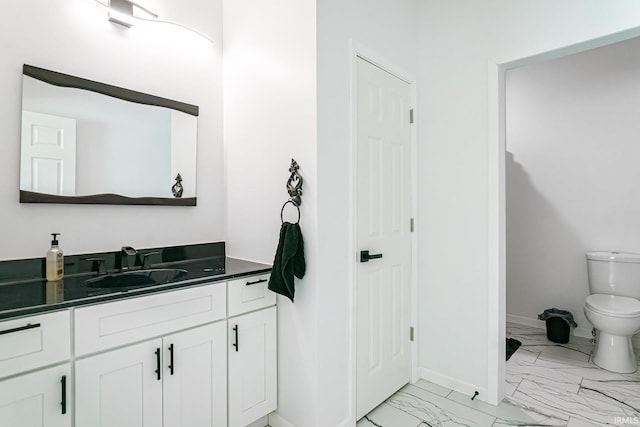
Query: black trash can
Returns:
{"type": "Point", "coordinates": [558, 330]}
{"type": "Point", "coordinates": [559, 323]}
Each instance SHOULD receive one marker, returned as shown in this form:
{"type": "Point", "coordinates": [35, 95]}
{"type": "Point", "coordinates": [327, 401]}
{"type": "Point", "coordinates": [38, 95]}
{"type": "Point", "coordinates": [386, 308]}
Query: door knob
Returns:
{"type": "Point", "coordinates": [365, 256]}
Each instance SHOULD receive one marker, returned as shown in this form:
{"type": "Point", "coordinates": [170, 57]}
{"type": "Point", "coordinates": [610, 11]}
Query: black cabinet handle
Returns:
{"type": "Point", "coordinates": [63, 402]}
{"type": "Point", "coordinates": [21, 328]}
{"type": "Point", "coordinates": [171, 359]}
{"type": "Point", "coordinates": [256, 282]}
{"type": "Point", "coordinates": [365, 256]}
{"type": "Point", "coordinates": [158, 363]}
{"type": "Point", "coordinates": [235, 344]}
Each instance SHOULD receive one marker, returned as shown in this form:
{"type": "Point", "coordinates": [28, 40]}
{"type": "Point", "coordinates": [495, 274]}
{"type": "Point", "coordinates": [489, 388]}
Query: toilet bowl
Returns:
{"type": "Point", "coordinates": [613, 308]}
{"type": "Point", "coordinates": [616, 320]}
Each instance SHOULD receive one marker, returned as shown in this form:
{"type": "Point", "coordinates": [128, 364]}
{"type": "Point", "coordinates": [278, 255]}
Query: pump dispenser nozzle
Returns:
{"type": "Point", "coordinates": [55, 240]}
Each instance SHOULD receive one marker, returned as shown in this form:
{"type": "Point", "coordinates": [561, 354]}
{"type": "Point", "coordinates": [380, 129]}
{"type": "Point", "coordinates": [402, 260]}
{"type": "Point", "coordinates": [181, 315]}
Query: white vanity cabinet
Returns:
{"type": "Point", "coordinates": [200, 356]}
{"type": "Point", "coordinates": [252, 350]}
{"type": "Point", "coordinates": [177, 380]}
{"type": "Point", "coordinates": [39, 396]}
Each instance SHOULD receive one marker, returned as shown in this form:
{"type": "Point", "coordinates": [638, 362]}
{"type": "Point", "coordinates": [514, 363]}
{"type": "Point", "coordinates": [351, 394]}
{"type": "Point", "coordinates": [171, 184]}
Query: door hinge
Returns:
{"type": "Point", "coordinates": [411, 228]}
{"type": "Point", "coordinates": [411, 333]}
{"type": "Point", "coordinates": [411, 115]}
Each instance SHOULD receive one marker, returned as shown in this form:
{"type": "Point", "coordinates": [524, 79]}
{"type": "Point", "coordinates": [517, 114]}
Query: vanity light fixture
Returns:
{"type": "Point", "coordinates": [121, 12]}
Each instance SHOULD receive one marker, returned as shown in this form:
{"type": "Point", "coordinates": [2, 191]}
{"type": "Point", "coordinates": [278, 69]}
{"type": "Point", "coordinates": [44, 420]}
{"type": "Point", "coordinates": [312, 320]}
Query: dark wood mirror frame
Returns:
{"type": "Point", "coordinates": [65, 80]}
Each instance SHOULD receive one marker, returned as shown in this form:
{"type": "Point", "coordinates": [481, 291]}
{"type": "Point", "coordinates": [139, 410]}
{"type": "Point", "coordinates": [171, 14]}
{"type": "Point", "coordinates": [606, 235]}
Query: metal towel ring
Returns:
{"type": "Point", "coordinates": [282, 210]}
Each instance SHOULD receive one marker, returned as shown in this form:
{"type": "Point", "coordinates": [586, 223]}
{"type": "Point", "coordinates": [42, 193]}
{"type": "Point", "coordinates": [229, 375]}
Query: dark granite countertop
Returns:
{"type": "Point", "coordinates": [24, 297]}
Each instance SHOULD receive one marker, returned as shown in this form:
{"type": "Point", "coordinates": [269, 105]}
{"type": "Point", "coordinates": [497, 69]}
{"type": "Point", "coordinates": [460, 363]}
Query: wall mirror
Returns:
{"type": "Point", "coordinates": [92, 143]}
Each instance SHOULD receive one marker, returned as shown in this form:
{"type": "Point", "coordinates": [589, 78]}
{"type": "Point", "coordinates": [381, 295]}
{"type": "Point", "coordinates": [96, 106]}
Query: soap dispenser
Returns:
{"type": "Point", "coordinates": [55, 261]}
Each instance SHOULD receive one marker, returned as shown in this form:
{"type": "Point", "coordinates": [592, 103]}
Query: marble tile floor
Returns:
{"type": "Point", "coordinates": [547, 384]}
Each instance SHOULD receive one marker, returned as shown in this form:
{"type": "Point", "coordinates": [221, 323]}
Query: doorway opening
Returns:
{"type": "Point", "coordinates": [499, 160]}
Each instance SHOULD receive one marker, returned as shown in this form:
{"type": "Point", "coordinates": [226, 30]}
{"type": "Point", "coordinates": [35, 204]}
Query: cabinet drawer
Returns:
{"type": "Point", "coordinates": [113, 324]}
{"type": "Point", "coordinates": [31, 342]}
{"type": "Point", "coordinates": [248, 294]}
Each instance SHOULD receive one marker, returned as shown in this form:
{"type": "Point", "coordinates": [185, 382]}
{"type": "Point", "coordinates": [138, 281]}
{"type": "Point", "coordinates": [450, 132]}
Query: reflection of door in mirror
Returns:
{"type": "Point", "coordinates": [48, 158]}
{"type": "Point", "coordinates": [129, 146]}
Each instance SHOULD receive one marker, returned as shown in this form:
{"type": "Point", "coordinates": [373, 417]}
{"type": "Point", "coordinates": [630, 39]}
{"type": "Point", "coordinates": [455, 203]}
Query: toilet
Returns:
{"type": "Point", "coordinates": [613, 308]}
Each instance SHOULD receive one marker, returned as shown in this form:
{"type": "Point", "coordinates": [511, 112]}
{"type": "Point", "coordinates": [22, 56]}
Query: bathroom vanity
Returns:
{"type": "Point", "coordinates": [195, 352]}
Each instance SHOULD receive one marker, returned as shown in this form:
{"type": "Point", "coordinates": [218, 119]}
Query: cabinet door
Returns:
{"type": "Point", "coordinates": [39, 399]}
{"type": "Point", "coordinates": [195, 377]}
{"type": "Point", "coordinates": [252, 366]}
{"type": "Point", "coordinates": [121, 388]}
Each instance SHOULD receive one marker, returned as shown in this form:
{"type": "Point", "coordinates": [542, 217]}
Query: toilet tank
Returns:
{"type": "Point", "coordinates": [614, 273]}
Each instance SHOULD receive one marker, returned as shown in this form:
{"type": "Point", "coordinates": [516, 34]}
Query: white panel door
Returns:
{"type": "Point", "coordinates": [48, 158]}
{"type": "Point", "coordinates": [383, 229]}
{"type": "Point", "coordinates": [36, 399]}
{"type": "Point", "coordinates": [121, 388]}
{"type": "Point", "coordinates": [195, 377]}
{"type": "Point", "coordinates": [252, 366]}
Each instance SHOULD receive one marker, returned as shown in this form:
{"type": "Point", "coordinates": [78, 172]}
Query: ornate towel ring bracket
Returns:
{"type": "Point", "coordinates": [294, 184]}
{"type": "Point", "coordinates": [294, 188]}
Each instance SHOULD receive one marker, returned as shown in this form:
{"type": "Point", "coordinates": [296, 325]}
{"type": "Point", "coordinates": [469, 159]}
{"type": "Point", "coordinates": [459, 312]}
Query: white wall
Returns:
{"type": "Point", "coordinates": [270, 117]}
{"type": "Point", "coordinates": [457, 41]}
{"type": "Point", "coordinates": [386, 31]}
{"type": "Point", "coordinates": [74, 37]}
{"type": "Point", "coordinates": [572, 174]}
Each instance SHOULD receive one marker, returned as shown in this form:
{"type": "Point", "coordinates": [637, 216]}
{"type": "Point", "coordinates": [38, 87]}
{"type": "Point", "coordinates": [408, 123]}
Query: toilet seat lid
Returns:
{"type": "Point", "coordinates": [614, 305]}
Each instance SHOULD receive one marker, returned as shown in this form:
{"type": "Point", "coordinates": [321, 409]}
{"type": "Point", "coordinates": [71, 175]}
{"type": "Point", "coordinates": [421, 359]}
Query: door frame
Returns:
{"type": "Point", "coordinates": [496, 137]}
{"type": "Point", "coordinates": [360, 51]}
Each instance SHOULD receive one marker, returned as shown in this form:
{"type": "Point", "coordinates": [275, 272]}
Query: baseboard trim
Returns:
{"type": "Point", "coordinates": [578, 332]}
{"type": "Point", "coordinates": [454, 384]}
{"type": "Point", "coordinates": [276, 420]}
{"type": "Point", "coordinates": [526, 321]}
